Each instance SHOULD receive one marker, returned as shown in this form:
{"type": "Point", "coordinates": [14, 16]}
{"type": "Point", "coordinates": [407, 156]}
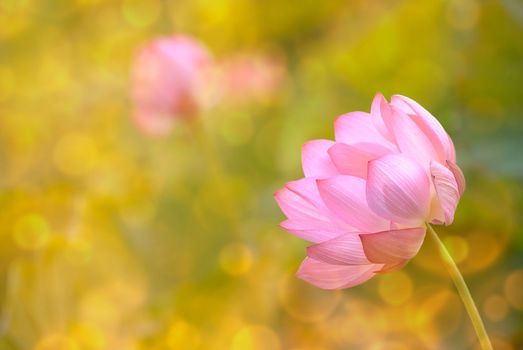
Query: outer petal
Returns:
{"type": "Point", "coordinates": [353, 159]}
{"type": "Point", "coordinates": [430, 126]}
{"type": "Point", "coordinates": [345, 197]}
{"type": "Point", "coordinates": [446, 190]}
{"type": "Point", "coordinates": [315, 159]}
{"type": "Point", "coordinates": [297, 205]}
{"type": "Point", "coordinates": [379, 106]}
{"type": "Point", "coordinates": [393, 247]}
{"type": "Point", "coordinates": [312, 231]}
{"type": "Point", "coordinates": [345, 249]}
{"type": "Point", "coordinates": [398, 189]}
{"type": "Point", "coordinates": [304, 221]}
{"type": "Point", "coordinates": [357, 127]}
{"type": "Point", "coordinates": [327, 276]}
{"type": "Point", "coordinates": [308, 217]}
{"type": "Point", "coordinates": [458, 175]}
{"type": "Point", "coordinates": [409, 137]}
{"type": "Point", "coordinates": [377, 101]}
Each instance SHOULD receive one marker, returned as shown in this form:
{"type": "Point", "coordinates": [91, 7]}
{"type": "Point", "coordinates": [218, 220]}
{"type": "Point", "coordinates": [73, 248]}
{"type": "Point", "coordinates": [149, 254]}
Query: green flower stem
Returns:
{"type": "Point", "coordinates": [463, 291]}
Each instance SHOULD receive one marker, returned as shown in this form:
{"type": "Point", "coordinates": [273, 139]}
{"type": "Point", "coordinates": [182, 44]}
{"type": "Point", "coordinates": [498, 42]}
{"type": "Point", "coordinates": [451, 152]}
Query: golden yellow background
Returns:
{"type": "Point", "coordinates": [114, 240]}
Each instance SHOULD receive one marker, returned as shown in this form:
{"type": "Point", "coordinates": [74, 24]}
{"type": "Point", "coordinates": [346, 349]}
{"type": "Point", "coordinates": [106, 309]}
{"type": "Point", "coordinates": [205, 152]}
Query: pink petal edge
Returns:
{"type": "Point", "coordinates": [357, 127]}
{"type": "Point", "coordinates": [446, 188]}
{"type": "Point", "coordinates": [458, 175]}
{"type": "Point", "coordinates": [327, 276]}
{"type": "Point", "coordinates": [307, 216]}
{"type": "Point", "coordinates": [411, 140]}
{"type": "Point", "coordinates": [345, 249]}
{"type": "Point", "coordinates": [394, 246]}
{"type": "Point", "coordinates": [315, 159]}
{"type": "Point", "coordinates": [430, 126]}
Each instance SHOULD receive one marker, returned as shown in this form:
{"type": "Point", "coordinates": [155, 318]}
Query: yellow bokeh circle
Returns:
{"type": "Point", "coordinates": [431, 319]}
{"type": "Point", "coordinates": [183, 335]}
{"type": "Point", "coordinates": [395, 288]}
{"type": "Point", "coordinates": [236, 258]}
{"type": "Point", "coordinates": [458, 247]}
{"type": "Point", "coordinates": [89, 337]}
{"type": "Point", "coordinates": [305, 302]}
{"type": "Point", "coordinates": [495, 307]}
{"type": "Point", "coordinates": [56, 342]}
{"type": "Point", "coordinates": [141, 13]}
{"type": "Point", "coordinates": [514, 289]}
{"type": "Point", "coordinates": [31, 231]}
{"type": "Point", "coordinates": [255, 337]}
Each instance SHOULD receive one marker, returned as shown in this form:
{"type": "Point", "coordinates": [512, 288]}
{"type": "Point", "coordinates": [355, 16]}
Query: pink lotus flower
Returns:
{"type": "Point", "coordinates": [169, 81]}
{"type": "Point", "coordinates": [366, 197]}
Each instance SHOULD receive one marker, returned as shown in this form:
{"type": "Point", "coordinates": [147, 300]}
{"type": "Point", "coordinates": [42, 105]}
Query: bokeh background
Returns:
{"type": "Point", "coordinates": [112, 239]}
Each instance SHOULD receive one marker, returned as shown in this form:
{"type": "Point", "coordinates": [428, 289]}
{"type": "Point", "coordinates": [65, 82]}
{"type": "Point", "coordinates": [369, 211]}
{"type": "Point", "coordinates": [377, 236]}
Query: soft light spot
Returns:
{"type": "Point", "coordinates": [75, 154]}
{"type": "Point", "coordinates": [457, 247]}
{"type": "Point", "coordinates": [141, 13]}
{"type": "Point", "coordinates": [54, 68]}
{"type": "Point", "coordinates": [89, 337]}
{"type": "Point", "coordinates": [183, 335]}
{"type": "Point", "coordinates": [305, 302]}
{"type": "Point", "coordinates": [14, 16]}
{"type": "Point", "coordinates": [484, 250]}
{"type": "Point", "coordinates": [215, 11]}
{"type": "Point", "coordinates": [514, 289]}
{"type": "Point", "coordinates": [255, 337]}
{"type": "Point", "coordinates": [395, 288]}
{"type": "Point", "coordinates": [495, 307]}
{"type": "Point", "coordinates": [97, 308]}
{"type": "Point", "coordinates": [431, 317]}
{"type": "Point", "coordinates": [348, 327]}
{"type": "Point", "coordinates": [31, 231]}
{"type": "Point", "coordinates": [236, 258]}
{"type": "Point", "coordinates": [56, 342]}
{"type": "Point", "coordinates": [499, 343]}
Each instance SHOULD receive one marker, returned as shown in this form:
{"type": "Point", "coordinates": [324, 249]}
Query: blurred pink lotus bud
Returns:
{"type": "Point", "coordinates": [366, 197]}
{"type": "Point", "coordinates": [251, 78]}
{"type": "Point", "coordinates": [170, 80]}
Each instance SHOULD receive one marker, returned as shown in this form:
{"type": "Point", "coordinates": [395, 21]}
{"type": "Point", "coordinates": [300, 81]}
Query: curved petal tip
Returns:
{"type": "Point", "coordinates": [327, 276]}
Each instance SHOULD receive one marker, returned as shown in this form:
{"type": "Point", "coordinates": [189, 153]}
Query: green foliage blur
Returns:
{"type": "Point", "coordinates": [114, 240]}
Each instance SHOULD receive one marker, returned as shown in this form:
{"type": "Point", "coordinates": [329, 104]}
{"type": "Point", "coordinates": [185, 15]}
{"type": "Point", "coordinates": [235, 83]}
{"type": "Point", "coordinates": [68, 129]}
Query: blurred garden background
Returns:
{"type": "Point", "coordinates": [114, 239]}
